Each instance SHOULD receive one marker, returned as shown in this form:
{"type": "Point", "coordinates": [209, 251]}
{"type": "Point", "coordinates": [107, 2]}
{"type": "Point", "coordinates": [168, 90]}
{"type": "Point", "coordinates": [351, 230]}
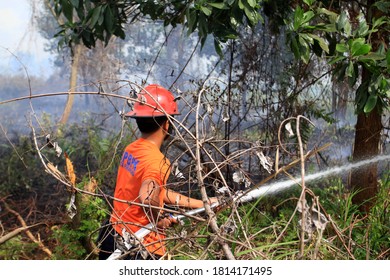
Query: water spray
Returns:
{"type": "Point", "coordinates": [276, 187]}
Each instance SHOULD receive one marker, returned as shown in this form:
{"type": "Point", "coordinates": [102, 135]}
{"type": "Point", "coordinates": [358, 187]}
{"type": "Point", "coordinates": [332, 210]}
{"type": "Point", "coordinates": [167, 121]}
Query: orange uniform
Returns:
{"type": "Point", "coordinates": [141, 160]}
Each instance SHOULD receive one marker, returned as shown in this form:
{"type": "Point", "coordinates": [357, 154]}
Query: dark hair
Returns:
{"type": "Point", "coordinates": [150, 125]}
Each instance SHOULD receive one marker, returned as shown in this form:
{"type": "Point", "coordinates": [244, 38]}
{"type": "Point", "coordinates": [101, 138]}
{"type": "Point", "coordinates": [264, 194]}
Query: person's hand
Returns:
{"type": "Point", "coordinates": [214, 203]}
{"type": "Point", "coordinates": [213, 200]}
{"type": "Point", "coordinates": [167, 222]}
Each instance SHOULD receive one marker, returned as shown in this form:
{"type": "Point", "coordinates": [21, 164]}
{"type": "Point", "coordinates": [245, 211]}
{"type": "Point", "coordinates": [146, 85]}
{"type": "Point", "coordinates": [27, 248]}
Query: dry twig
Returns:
{"type": "Point", "coordinates": [24, 228]}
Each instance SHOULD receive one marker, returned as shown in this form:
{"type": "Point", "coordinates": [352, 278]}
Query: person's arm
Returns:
{"type": "Point", "coordinates": [175, 198]}
{"type": "Point", "coordinates": [149, 195]}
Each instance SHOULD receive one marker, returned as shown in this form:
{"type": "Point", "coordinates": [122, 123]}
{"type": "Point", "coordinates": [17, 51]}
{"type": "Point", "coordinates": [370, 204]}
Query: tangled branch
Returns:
{"type": "Point", "coordinates": [201, 162]}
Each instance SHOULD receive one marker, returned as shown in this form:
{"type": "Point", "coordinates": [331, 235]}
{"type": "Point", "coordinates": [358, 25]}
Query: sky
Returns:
{"type": "Point", "coordinates": [18, 37]}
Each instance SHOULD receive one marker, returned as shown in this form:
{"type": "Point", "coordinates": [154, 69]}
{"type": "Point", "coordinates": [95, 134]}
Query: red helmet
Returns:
{"type": "Point", "coordinates": [154, 101]}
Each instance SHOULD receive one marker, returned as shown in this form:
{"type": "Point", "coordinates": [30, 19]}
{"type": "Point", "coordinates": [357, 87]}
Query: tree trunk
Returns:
{"type": "Point", "coordinates": [72, 83]}
{"type": "Point", "coordinates": [364, 181]}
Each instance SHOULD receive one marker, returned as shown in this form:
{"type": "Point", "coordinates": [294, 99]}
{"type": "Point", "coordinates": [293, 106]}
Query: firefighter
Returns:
{"type": "Point", "coordinates": [142, 176]}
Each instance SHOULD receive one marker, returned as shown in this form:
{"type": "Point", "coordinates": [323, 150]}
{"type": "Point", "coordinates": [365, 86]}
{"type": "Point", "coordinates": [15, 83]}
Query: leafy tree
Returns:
{"type": "Point", "coordinates": [89, 21]}
{"type": "Point", "coordinates": [353, 39]}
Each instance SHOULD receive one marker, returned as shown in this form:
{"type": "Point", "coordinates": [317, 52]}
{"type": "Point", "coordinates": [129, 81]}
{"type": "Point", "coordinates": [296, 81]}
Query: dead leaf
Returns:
{"type": "Point", "coordinates": [265, 161]}
{"type": "Point", "coordinates": [176, 171]}
{"type": "Point", "coordinates": [289, 129]}
{"type": "Point", "coordinates": [54, 170]}
{"type": "Point", "coordinates": [239, 177]}
{"type": "Point", "coordinates": [314, 220]}
{"type": "Point", "coordinates": [53, 145]}
{"type": "Point", "coordinates": [72, 209]}
{"type": "Point", "coordinates": [91, 186]}
{"type": "Point", "coordinates": [70, 170]}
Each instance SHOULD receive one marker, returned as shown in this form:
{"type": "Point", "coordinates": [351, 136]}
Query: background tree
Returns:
{"type": "Point", "coordinates": [353, 38]}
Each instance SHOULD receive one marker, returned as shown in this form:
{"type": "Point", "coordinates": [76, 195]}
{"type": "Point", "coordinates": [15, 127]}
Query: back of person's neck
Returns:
{"type": "Point", "coordinates": [153, 138]}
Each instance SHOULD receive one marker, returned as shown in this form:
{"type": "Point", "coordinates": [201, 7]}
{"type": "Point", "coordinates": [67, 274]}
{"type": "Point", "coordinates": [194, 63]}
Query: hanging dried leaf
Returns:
{"type": "Point", "coordinates": [70, 170]}
{"type": "Point", "coordinates": [72, 209]}
{"type": "Point", "coordinates": [314, 220]}
{"type": "Point", "coordinates": [265, 161]}
{"type": "Point", "coordinates": [176, 171]}
{"type": "Point", "coordinates": [289, 129]}
{"type": "Point", "coordinates": [53, 145]}
{"type": "Point", "coordinates": [240, 178]}
{"type": "Point", "coordinates": [225, 116]}
{"type": "Point", "coordinates": [210, 109]}
{"type": "Point", "coordinates": [319, 220]}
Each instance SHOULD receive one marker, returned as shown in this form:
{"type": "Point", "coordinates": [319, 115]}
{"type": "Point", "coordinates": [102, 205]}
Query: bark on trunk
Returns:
{"type": "Point", "coordinates": [364, 181]}
{"type": "Point", "coordinates": [72, 84]}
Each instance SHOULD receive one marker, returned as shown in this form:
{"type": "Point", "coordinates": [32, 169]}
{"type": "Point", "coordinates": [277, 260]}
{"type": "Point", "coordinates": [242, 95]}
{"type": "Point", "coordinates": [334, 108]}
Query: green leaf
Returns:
{"type": "Point", "coordinates": [371, 57]}
{"type": "Point", "coordinates": [298, 18]}
{"type": "Point", "coordinates": [252, 3]}
{"type": "Point", "coordinates": [295, 47]}
{"type": "Point", "coordinates": [383, 6]}
{"type": "Point", "coordinates": [352, 80]}
{"type": "Point", "coordinates": [67, 10]}
{"type": "Point", "coordinates": [336, 59]}
{"type": "Point", "coordinates": [332, 15]}
{"type": "Point", "coordinates": [388, 59]}
{"type": "Point", "coordinates": [241, 4]}
{"type": "Point", "coordinates": [192, 20]}
{"type": "Point", "coordinates": [221, 6]}
{"type": "Point", "coordinates": [109, 20]}
{"type": "Point", "coordinates": [361, 96]}
{"type": "Point", "coordinates": [342, 48]}
{"type": "Point", "coordinates": [202, 26]}
{"type": "Point", "coordinates": [341, 21]}
{"type": "Point", "coordinates": [206, 10]}
{"type": "Point", "coordinates": [305, 54]}
{"type": "Point", "coordinates": [323, 44]}
{"type": "Point", "coordinates": [363, 28]}
{"type": "Point", "coordinates": [358, 48]}
{"type": "Point", "coordinates": [350, 70]}
{"type": "Point", "coordinates": [329, 28]}
{"type": "Point", "coordinates": [75, 3]}
{"type": "Point", "coordinates": [308, 16]}
{"type": "Point", "coordinates": [378, 22]}
{"type": "Point", "coordinates": [95, 16]}
{"type": "Point", "coordinates": [102, 13]}
{"type": "Point", "coordinates": [371, 103]}
{"type": "Point", "coordinates": [302, 39]}
{"type": "Point", "coordinates": [307, 38]}
{"type": "Point", "coordinates": [218, 48]}
{"type": "Point", "coordinates": [253, 16]}
{"type": "Point", "coordinates": [348, 29]}
{"type": "Point", "coordinates": [309, 2]}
